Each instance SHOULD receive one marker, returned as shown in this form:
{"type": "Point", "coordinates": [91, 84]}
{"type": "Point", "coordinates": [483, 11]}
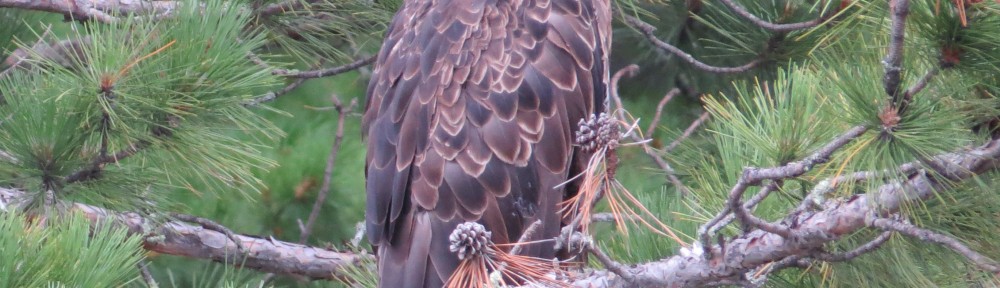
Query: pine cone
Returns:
{"type": "Point", "coordinates": [468, 239]}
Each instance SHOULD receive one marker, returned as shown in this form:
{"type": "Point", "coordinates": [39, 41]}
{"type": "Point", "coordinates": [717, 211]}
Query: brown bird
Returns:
{"type": "Point", "coordinates": [471, 114]}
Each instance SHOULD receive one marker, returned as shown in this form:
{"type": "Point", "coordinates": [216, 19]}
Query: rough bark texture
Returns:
{"type": "Point", "coordinates": [100, 10]}
{"type": "Point", "coordinates": [182, 239]}
{"type": "Point", "coordinates": [810, 230]}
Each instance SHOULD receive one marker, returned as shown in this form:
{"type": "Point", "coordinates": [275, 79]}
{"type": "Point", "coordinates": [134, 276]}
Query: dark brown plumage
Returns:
{"type": "Point", "coordinates": [470, 116]}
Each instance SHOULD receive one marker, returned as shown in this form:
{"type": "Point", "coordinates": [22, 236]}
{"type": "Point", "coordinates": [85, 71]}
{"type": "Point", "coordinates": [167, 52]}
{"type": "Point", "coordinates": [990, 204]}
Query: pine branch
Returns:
{"type": "Point", "coordinates": [99, 10]}
{"type": "Point", "coordinates": [647, 30]}
{"type": "Point", "coordinates": [177, 238]}
{"type": "Point", "coordinates": [780, 28]}
{"type": "Point", "coordinates": [753, 176]}
{"type": "Point", "coordinates": [983, 262]}
{"type": "Point", "coordinates": [96, 166]}
{"type": "Point", "coordinates": [62, 52]}
{"type": "Point", "coordinates": [893, 60]}
{"type": "Point", "coordinates": [812, 230]}
{"type": "Point", "coordinates": [860, 250]}
{"type": "Point", "coordinates": [327, 71]}
{"type": "Point", "coordinates": [270, 96]}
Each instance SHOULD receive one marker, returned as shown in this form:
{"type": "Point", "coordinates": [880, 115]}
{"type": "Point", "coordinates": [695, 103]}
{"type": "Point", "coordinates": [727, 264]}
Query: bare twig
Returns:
{"type": "Point", "coordinates": [659, 111]}
{"type": "Point", "coordinates": [608, 263]}
{"type": "Point", "coordinates": [920, 85]}
{"type": "Point", "coordinates": [907, 229]}
{"type": "Point", "coordinates": [270, 96]}
{"type": "Point", "coordinates": [608, 217]}
{"type": "Point", "coordinates": [96, 166]}
{"type": "Point", "coordinates": [747, 218]}
{"type": "Point", "coordinates": [146, 276]}
{"type": "Point", "coordinates": [687, 132]}
{"type": "Point", "coordinates": [627, 71]}
{"type": "Point", "coordinates": [781, 28]}
{"type": "Point", "coordinates": [646, 148]}
{"type": "Point", "coordinates": [526, 236]}
{"type": "Point", "coordinates": [211, 225]}
{"type": "Point", "coordinates": [331, 160]}
{"type": "Point", "coordinates": [648, 30]}
{"type": "Point", "coordinates": [325, 72]}
{"type": "Point", "coordinates": [860, 250]}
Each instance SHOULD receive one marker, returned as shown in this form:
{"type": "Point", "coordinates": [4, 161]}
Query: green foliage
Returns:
{"type": "Point", "coordinates": [319, 31]}
{"type": "Point", "coordinates": [65, 252]}
{"type": "Point", "coordinates": [176, 87]}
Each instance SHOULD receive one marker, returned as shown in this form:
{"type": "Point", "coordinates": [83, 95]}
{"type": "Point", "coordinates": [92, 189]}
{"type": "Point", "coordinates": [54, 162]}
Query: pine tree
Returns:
{"type": "Point", "coordinates": [799, 143]}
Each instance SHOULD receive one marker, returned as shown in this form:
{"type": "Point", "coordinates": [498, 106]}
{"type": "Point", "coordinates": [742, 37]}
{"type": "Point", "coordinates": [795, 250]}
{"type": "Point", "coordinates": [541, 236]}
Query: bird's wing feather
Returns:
{"type": "Point", "coordinates": [471, 113]}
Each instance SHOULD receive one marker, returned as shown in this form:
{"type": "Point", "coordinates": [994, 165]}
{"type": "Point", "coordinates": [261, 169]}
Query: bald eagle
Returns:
{"type": "Point", "coordinates": [470, 116]}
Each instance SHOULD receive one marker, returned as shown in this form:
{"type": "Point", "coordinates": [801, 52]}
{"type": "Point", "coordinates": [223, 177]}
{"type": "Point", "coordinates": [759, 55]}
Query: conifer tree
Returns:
{"type": "Point", "coordinates": [764, 143]}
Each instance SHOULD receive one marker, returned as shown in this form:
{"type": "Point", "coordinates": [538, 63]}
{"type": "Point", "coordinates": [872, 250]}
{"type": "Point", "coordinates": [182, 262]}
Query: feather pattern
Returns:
{"type": "Point", "coordinates": [469, 117]}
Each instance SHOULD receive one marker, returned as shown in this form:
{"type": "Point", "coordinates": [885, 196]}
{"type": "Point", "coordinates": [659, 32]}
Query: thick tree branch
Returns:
{"type": "Point", "coordinates": [894, 59]}
{"type": "Point", "coordinates": [181, 239]}
{"type": "Point", "coordinates": [812, 230]}
{"type": "Point", "coordinates": [100, 10]}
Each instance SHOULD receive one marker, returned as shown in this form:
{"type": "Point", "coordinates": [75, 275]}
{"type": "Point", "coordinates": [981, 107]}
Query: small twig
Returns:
{"type": "Point", "coordinates": [780, 28]}
{"type": "Point", "coordinates": [647, 30]}
{"type": "Point", "coordinates": [747, 218]}
{"type": "Point", "coordinates": [659, 111]}
{"type": "Point", "coordinates": [282, 7]}
{"type": "Point", "coordinates": [920, 85]}
{"type": "Point", "coordinates": [608, 217]}
{"type": "Point", "coordinates": [980, 260]}
{"type": "Point", "coordinates": [893, 60]}
{"type": "Point", "coordinates": [270, 96]}
{"type": "Point", "coordinates": [211, 225]}
{"type": "Point", "coordinates": [146, 276]}
{"type": "Point", "coordinates": [610, 264]}
{"type": "Point", "coordinates": [331, 160]}
{"type": "Point", "coordinates": [325, 72]}
{"type": "Point", "coordinates": [96, 166]}
{"type": "Point", "coordinates": [526, 237]}
{"type": "Point", "coordinates": [627, 71]}
{"type": "Point", "coordinates": [860, 250]}
{"type": "Point", "coordinates": [646, 148]}
{"type": "Point", "coordinates": [359, 233]}
{"type": "Point", "coordinates": [687, 132]}
{"type": "Point", "coordinates": [257, 60]}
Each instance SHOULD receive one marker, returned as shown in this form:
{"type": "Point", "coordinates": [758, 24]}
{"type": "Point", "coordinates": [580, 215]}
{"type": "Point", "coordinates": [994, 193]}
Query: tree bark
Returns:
{"type": "Point", "coordinates": [176, 238]}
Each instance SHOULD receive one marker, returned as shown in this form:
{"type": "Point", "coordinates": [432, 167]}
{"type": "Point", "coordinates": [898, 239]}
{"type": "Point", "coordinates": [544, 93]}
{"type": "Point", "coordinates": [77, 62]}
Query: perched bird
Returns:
{"type": "Point", "coordinates": [470, 116]}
